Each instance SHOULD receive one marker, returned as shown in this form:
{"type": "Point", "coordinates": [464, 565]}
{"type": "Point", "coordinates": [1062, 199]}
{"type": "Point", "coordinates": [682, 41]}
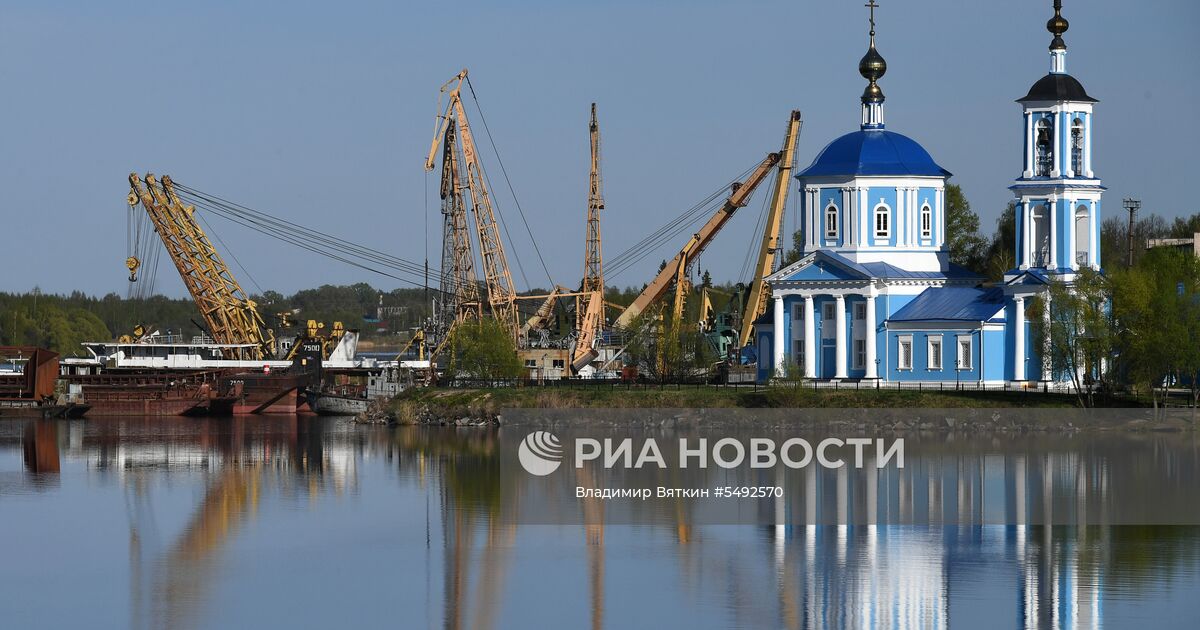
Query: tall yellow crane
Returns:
{"type": "Point", "coordinates": [458, 283]}
{"type": "Point", "coordinates": [756, 304]}
{"type": "Point", "coordinates": [228, 312]}
{"type": "Point", "coordinates": [589, 308]}
{"type": "Point", "coordinates": [677, 268]}
{"type": "Point", "coordinates": [500, 288]}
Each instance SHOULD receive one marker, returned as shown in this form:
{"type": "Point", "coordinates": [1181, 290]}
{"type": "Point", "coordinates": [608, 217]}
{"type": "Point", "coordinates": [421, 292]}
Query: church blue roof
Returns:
{"type": "Point", "coordinates": [874, 152]}
{"type": "Point", "coordinates": [827, 265]}
{"type": "Point", "coordinates": [971, 304]}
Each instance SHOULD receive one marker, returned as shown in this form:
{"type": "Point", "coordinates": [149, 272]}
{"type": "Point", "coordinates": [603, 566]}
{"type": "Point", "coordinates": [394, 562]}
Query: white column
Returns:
{"type": "Point", "coordinates": [847, 218]}
{"type": "Point", "coordinates": [810, 338]}
{"type": "Point", "coordinates": [1019, 341]}
{"type": "Point", "coordinates": [865, 216]}
{"type": "Point", "coordinates": [1092, 229]}
{"type": "Point", "coordinates": [1057, 167]}
{"type": "Point", "coordinates": [1069, 217]}
{"type": "Point", "coordinates": [939, 212]}
{"type": "Point", "coordinates": [1052, 219]}
{"type": "Point", "coordinates": [1028, 145]}
{"type": "Point", "coordinates": [840, 330]}
{"type": "Point", "coordinates": [901, 219]}
{"type": "Point", "coordinates": [1087, 146]}
{"type": "Point", "coordinates": [780, 340]}
{"type": "Point", "coordinates": [814, 219]}
{"type": "Point", "coordinates": [869, 324]}
{"type": "Point", "coordinates": [1046, 341]}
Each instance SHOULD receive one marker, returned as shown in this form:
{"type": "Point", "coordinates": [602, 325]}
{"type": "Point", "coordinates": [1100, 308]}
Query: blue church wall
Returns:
{"type": "Point", "coordinates": [921, 372]}
{"type": "Point", "coordinates": [1064, 216]}
{"type": "Point", "coordinates": [766, 354]}
{"type": "Point", "coordinates": [993, 355]}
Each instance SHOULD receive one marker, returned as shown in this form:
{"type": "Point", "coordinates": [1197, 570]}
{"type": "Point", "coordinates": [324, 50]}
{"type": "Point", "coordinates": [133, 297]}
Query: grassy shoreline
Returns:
{"type": "Point", "coordinates": [693, 397]}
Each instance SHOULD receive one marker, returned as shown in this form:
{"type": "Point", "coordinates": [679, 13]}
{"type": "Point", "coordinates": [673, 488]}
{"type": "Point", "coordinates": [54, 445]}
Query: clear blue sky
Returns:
{"type": "Point", "coordinates": [323, 111]}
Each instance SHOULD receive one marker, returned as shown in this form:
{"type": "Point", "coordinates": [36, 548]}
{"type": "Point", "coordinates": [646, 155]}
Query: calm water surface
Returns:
{"type": "Point", "coordinates": [310, 522]}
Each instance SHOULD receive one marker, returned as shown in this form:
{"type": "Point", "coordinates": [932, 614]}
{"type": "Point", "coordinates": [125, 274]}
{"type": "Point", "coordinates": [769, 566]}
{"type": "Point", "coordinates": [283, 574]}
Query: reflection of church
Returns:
{"type": "Point", "coordinates": [874, 295]}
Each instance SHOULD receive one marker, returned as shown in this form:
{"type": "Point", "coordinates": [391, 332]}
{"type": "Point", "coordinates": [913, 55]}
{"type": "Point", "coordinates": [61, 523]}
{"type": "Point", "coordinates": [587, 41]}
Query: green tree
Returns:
{"type": "Point", "coordinates": [1001, 252]}
{"type": "Point", "coordinates": [1114, 238]}
{"type": "Point", "coordinates": [1158, 324]}
{"type": "Point", "coordinates": [1079, 338]}
{"type": "Point", "coordinates": [967, 247]}
{"type": "Point", "coordinates": [1185, 227]}
{"type": "Point", "coordinates": [482, 349]}
{"type": "Point", "coordinates": [666, 349]}
{"type": "Point", "coordinates": [793, 254]}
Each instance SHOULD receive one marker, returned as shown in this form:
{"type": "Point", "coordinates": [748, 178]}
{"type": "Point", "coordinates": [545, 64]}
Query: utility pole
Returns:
{"type": "Point", "coordinates": [1132, 206]}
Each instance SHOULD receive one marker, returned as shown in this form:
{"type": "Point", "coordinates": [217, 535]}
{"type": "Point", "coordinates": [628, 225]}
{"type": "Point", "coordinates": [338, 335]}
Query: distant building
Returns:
{"type": "Point", "coordinates": [874, 295]}
{"type": "Point", "coordinates": [1185, 244]}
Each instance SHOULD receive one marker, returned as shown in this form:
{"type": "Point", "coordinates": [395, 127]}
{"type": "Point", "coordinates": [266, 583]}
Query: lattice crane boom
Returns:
{"type": "Point", "coordinates": [589, 309]}
{"type": "Point", "coordinates": [230, 315]}
{"type": "Point", "coordinates": [501, 293]}
{"type": "Point", "coordinates": [768, 253]}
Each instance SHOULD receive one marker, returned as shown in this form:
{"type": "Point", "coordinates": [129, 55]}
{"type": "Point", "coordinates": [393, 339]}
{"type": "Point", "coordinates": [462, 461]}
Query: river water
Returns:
{"type": "Point", "coordinates": [309, 522]}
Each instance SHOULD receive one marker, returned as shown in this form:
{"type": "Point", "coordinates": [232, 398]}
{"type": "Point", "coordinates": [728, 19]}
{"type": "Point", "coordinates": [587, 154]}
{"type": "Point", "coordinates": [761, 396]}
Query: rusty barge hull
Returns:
{"type": "Point", "coordinates": [189, 392]}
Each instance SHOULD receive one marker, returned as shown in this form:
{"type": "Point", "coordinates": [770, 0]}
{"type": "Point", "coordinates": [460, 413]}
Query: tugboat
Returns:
{"type": "Point", "coordinates": [355, 389]}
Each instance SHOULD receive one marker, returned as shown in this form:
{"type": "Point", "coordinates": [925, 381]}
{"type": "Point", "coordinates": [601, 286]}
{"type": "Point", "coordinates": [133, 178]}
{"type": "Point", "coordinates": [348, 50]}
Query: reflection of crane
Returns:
{"type": "Point", "coordinates": [500, 288]}
{"type": "Point", "coordinates": [589, 309]}
{"type": "Point", "coordinates": [676, 269]}
{"type": "Point", "coordinates": [769, 252]}
{"type": "Point", "coordinates": [230, 315]}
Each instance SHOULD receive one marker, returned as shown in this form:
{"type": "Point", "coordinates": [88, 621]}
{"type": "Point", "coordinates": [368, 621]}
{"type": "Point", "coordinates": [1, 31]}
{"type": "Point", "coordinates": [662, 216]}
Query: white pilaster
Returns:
{"type": "Point", "coordinates": [840, 331]}
{"type": "Point", "coordinates": [1019, 341]}
{"type": "Point", "coordinates": [780, 340]}
{"type": "Point", "coordinates": [1093, 224]}
{"type": "Point", "coordinates": [810, 338]}
{"type": "Point", "coordinates": [814, 219]}
{"type": "Point", "coordinates": [865, 216]}
{"type": "Point", "coordinates": [846, 221]}
{"type": "Point", "coordinates": [902, 220]}
{"type": "Point", "coordinates": [1056, 169]}
{"type": "Point", "coordinates": [1028, 172]}
{"type": "Point", "coordinates": [1087, 146]}
{"type": "Point", "coordinates": [1054, 217]}
{"type": "Point", "coordinates": [1069, 215]}
{"type": "Point", "coordinates": [869, 324]}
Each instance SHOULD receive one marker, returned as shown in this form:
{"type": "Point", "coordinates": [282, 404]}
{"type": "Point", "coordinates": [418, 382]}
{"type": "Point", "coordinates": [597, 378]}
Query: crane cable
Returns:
{"type": "Point", "coordinates": [669, 231]}
{"type": "Point", "coordinates": [511, 191]}
{"type": "Point", "coordinates": [305, 238]}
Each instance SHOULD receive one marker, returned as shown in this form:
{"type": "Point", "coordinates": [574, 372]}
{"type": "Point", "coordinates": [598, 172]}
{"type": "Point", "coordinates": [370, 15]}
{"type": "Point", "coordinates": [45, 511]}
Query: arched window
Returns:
{"type": "Point", "coordinates": [926, 221]}
{"type": "Point", "coordinates": [883, 221]}
{"type": "Point", "coordinates": [1041, 236]}
{"type": "Point", "coordinates": [1077, 147]}
{"type": "Point", "coordinates": [831, 222]}
{"type": "Point", "coordinates": [1044, 149]}
{"type": "Point", "coordinates": [1083, 233]}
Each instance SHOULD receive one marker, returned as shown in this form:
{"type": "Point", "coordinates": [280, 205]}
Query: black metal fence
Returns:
{"type": "Point", "coordinates": [1134, 397]}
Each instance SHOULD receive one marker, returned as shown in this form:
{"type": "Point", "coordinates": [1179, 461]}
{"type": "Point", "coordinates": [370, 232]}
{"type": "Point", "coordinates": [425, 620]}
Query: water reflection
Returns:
{"type": "Point", "coordinates": [199, 495]}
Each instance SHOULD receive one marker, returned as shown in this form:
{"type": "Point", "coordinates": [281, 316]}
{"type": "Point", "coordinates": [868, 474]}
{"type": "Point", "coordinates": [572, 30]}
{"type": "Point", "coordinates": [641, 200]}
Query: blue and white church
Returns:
{"type": "Point", "coordinates": [874, 295]}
